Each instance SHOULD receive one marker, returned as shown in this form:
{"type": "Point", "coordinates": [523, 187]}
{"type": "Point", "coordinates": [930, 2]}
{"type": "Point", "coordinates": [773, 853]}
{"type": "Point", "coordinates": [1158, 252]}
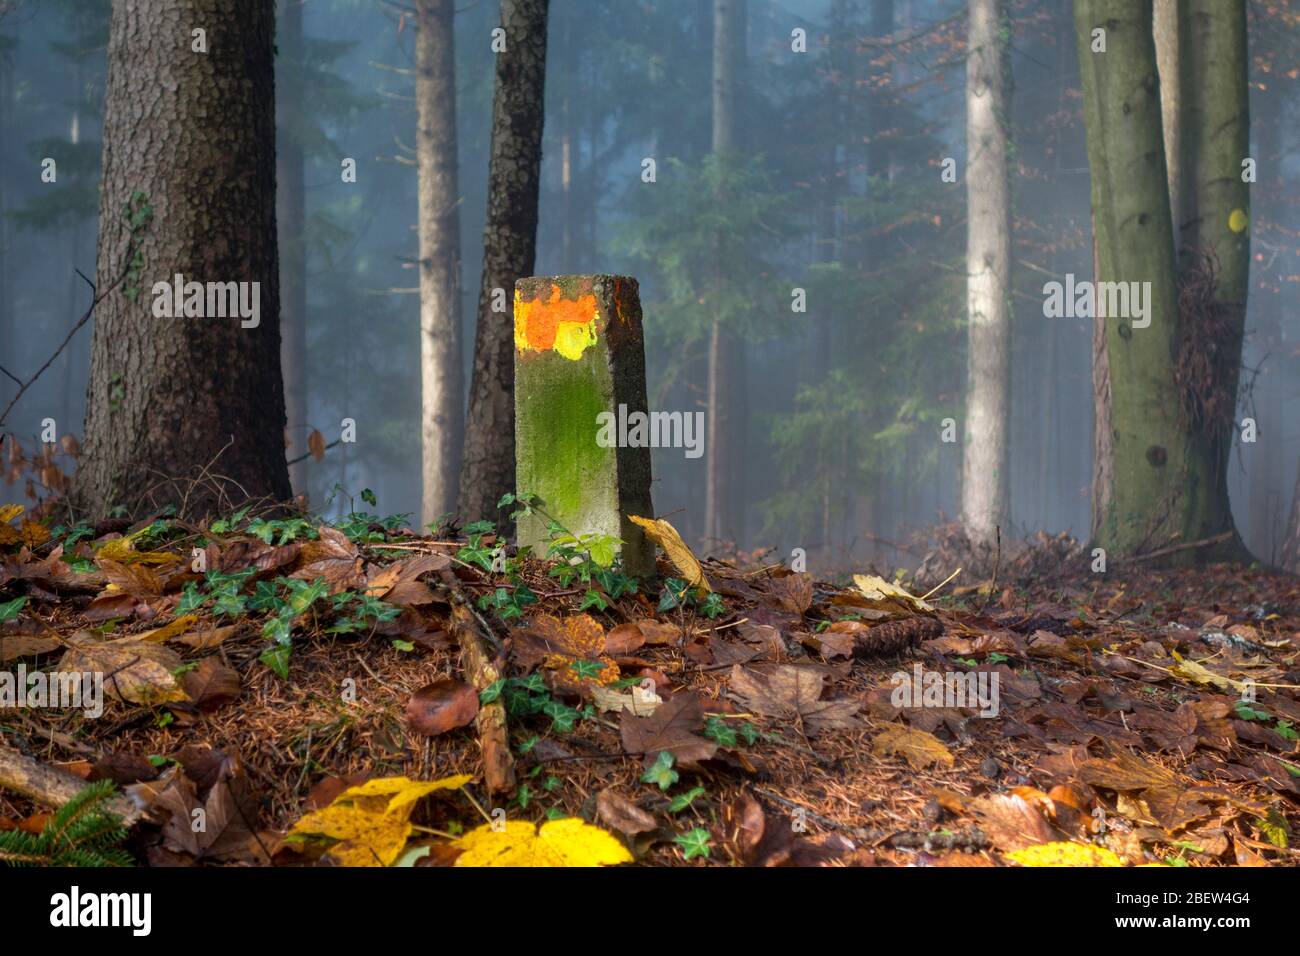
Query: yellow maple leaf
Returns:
{"type": "Point", "coordinates": [10, 512]}
{"type": "Point", "coordinates": [877, 589]}
{"type": "Point", "coordinates": [1065, 854]}
{"type": "Point", "coordinates": [371, 821]}
{"type": "Point", "coordinates": [567, 842]}
{"type": "Point", "coordinates": [665, 535]}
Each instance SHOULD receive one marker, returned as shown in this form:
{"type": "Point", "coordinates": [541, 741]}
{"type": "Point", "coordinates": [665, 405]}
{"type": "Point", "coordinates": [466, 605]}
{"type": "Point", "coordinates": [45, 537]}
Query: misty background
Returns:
{"type": "Point", "coordinates": [843, 148]}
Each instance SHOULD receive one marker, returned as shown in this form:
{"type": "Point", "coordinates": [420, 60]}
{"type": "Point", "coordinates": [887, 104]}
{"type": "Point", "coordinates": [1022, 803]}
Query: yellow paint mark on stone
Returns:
{"type": "Point", "coordinates": [566, 326]}
{"type": "Point", "coordinates": [1238, 220]}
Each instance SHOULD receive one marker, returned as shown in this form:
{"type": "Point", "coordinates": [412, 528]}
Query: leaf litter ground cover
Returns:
{"type": "Point", "coordinates": [290, 692]}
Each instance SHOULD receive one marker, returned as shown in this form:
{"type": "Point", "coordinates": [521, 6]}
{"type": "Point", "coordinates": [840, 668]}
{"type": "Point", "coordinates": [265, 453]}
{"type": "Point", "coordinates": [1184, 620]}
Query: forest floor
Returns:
{"type": "Point", "coordinates": [759, 723]}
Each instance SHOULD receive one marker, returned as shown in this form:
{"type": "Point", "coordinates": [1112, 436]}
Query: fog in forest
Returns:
{"type": "Point", "coordinates": [843, 287]}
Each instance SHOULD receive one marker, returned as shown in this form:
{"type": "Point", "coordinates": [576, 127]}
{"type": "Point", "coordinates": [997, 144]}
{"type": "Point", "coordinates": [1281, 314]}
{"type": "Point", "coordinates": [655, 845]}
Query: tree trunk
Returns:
{"type": "Point", "coordinates": [988, 267]}
{"type": "Point", "coordinates": [725, 368]}
{"type": "Point", "coordinates": [1214, 222]}
{"type": "Point", "coordinates": [186, 411]}
{"type": "Point", "coordinates": [442, 407]}
{"type": "Point", "coordinates": [1166, 488]}
{"type": "Point", "coordinates": [290, 218]}
{"type": "Point", "coordinates": [509, 248]}
{"type": "Point", "coordinates": [1264, 465]}
{"type": "Point", "coordinates": [1170, 39]}
{"type": "Point", "coordinates": [6, 300]}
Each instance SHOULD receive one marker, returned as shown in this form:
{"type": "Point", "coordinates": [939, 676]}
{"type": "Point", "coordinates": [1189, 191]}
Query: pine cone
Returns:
{"type": "Point", "coordinates": [896, 637]}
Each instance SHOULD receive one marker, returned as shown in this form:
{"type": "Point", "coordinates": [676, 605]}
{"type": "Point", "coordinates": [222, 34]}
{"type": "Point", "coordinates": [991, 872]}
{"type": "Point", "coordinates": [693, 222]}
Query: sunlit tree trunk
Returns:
{"type": "Point", "coordinates": [441, 434]}
{"type": "Point", "coordinates": [1167, 471]}
{"type": "Point", "coordinates": [509, 249]}
{"type": "Point", "coordinates": [186, 411]}
{"type": "Point", "coordinates": [988, 266]}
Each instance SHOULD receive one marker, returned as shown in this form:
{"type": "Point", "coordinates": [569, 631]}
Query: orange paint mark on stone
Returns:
{"type": "Point", "coordinates": [567, 326]}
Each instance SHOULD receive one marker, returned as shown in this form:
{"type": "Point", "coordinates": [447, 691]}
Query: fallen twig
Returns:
{"type": "Point", "coordinates": [494, 738]}
{"type": "Point", "coordinates": [51, 786]}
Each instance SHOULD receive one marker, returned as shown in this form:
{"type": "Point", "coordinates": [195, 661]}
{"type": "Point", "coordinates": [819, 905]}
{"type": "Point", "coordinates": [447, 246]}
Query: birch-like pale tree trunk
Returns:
{"type": "Point", "coordinates": [988, 267]}
{"type": "Point", "coordinates": [442, 401]}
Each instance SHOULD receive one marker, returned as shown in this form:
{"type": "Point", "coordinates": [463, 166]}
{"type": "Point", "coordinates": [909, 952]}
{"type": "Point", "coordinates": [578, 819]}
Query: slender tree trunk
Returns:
{"type": "Point", "coordinates": [988, 266]}
{"type": "Point", "coordinates": [442, 406]}
{"type": "Point", "coordinates": [290, 219]}
{"type": "Point", "coordinates": [509, 249]}
{"type": "Point", "coordinates": [1170, 39]}
{"type": "Point", "coordinates": [725, 369]}
{"type": "Point", "coordinates": [1166, 485]}
{"type": "Point", "coordinates": [171, 400]}
{"type": "Point", "coordinates": [6, 249]}
{"type": "Point", "coordinates": [1265, 465]}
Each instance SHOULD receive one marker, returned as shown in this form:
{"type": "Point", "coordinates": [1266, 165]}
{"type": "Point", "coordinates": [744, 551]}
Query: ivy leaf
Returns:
{"type": "Point", "coordinates": [684, 800]}
{"type": "Point", "coordinates": [694, 843]}
{"type": "Point", "coordinates": [661, 772]}
{"type": "Point", "coordinates": [276, 657]}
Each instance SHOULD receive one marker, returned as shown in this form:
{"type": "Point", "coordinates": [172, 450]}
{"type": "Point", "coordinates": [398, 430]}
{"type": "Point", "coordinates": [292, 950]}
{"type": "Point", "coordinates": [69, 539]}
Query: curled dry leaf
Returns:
{"type": "Point", "coordinates": [641, 701]}
{"type": "Point", "coordinates": [619, 813]}
{"type": "Point", "coordinates": [673, 727]}
{"type": "Point", "coordinates": [918, 748]}
{"type": "Point", "coordinates": [444, 705]}
{"type": "Point", "coordinates": [666, 537]}
{"type": "Point", "coordinates": [788, 691]}
{"type": "Point", "coordinates": [794, 592]}
{"type": "Point", "coordinates": [1011, 821]}
{"type": "Point", "coordinates": [885, 594]}
{"type": "Point", "coordinates": [132, 670]}
{"type": "Point", "coordinates": [211, 684]}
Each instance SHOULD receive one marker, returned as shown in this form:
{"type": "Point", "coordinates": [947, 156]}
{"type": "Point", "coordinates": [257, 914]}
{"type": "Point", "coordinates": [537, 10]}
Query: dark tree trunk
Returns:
{"type": "Point", "coordinates": [509, 248]}
{"type": "Point", "coordinates": [290, 217]}
{"type": "Point", "coordinates": [171, 400]}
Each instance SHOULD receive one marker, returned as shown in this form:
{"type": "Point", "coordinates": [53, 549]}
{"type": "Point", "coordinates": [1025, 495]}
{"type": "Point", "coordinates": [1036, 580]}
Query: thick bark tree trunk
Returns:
{"type": "Point", "coordinates": [1214, 221]}
{"type": "Point", "coordinates": [290, 218]}
{"type": "Point", "coordinates": [442, 407]}
{"type": "Point", "coordinates": [509, 248]}
{"type": "Point", "coordinates": [1167, 485]}
{"type": "Point", "coordinates": [176, 399]}
{"type": "Point", "coordinates": [988, 267]}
